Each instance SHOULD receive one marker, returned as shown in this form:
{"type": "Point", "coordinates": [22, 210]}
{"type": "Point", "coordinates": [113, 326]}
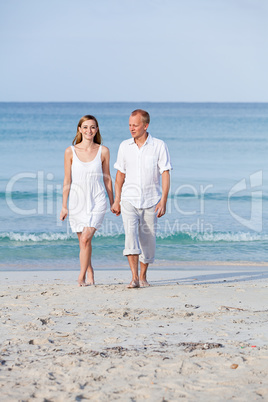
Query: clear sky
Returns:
{"type": "Point", "coordinates": [134, 50]}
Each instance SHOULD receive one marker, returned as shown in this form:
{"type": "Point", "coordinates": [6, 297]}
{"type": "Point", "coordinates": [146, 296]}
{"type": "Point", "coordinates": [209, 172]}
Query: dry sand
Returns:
{"type": "Point", "coordinates": [192, 336]}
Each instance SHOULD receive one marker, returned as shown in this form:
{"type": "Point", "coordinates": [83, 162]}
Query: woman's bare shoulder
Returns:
{"type": "Point", "coordinates": [68, 154]}
{"type": "Point", "coordinates": [105, 150]}
{"type": "Point", "coordinates": [68, 151]}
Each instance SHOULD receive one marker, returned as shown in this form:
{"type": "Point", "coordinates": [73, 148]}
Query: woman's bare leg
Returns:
{"type": "Point", "coordinates": [86, 276]}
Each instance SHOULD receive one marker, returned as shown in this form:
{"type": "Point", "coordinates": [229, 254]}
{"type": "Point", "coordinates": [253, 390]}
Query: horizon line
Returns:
{"type": "Point", "coordinates": [152, 102]}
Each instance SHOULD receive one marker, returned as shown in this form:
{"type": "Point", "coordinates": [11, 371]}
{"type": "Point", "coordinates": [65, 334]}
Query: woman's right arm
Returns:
{"type": "Point", "coordinates": [67, 182]}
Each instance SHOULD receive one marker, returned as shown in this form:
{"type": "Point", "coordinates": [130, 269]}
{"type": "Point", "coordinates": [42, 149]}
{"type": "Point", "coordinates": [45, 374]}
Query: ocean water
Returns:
{"type": "Point", "coordinates": [218, 203]}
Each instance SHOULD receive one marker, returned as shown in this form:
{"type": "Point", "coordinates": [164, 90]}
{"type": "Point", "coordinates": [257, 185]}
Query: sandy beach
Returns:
{"type": "Point", "coordinates": [198, 335]}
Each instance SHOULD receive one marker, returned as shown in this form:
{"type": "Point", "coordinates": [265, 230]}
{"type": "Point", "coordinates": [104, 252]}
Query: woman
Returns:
{"type": "Point", "coordinates": [86, 165]}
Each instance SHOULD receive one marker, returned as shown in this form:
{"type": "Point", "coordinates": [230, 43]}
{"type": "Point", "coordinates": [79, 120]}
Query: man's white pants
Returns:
{"type": "Point", "coordinates": [140, 231]}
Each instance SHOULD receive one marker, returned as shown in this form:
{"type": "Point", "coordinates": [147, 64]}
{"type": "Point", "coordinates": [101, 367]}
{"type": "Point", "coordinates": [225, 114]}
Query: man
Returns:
{"type": "Point", "coordinates": [140, 162]}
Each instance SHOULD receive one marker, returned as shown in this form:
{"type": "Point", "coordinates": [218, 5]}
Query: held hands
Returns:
{"type": "Point", "coordinates": [115, 208]}
{"type": "Point", "coordinates": [160, 209]}
{"type": "Point", "coordinates": [63, 214]}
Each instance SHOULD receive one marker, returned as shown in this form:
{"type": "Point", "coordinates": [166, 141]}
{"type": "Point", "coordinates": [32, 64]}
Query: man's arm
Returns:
{"type": "Point", "coordinates": [160, 208]}
{"type": "Point", "coordinates": [119, 181]}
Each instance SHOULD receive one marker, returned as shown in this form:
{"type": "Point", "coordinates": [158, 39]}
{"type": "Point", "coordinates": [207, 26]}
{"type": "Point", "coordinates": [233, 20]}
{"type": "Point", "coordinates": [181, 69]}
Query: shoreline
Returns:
{"type": "Point", "coordinates": [56, 265]}
{"type": "Point", "coordinates": [189, 272]}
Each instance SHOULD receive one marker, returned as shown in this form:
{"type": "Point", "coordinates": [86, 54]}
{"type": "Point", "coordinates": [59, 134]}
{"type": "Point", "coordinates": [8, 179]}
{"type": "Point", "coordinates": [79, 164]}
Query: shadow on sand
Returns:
{"type": "Point", "coordinates": [230, 277]}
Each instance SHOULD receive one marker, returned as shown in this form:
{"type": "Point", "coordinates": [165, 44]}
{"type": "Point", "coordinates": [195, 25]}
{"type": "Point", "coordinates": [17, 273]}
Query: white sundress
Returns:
{"type": "Point", "coordinates": [87, 201]}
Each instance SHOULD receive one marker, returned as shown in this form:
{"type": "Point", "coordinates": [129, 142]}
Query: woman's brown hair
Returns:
{"type": "Point", "coordinates": [78, 138]}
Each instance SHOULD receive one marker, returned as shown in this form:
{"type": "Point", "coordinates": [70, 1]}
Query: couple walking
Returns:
{"type": "Point", "coordinates": [141, 160]}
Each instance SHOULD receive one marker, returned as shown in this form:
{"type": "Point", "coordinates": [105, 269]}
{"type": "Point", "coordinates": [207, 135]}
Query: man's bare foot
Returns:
{"type": "Point", "coordinates": [133, 284]}
{"type": "Point", "coordinates": [144, 283]}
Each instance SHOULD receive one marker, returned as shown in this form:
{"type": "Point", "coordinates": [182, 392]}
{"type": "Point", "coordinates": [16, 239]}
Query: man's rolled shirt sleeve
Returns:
{"type": "Point", "coordinates": [164, 162]}
{"type": "Point", "coordinates": [120, 162]}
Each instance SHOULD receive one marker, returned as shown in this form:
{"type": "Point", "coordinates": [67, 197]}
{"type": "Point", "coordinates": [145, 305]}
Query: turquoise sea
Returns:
{"type": "Point", "coordinates": [218, 204]}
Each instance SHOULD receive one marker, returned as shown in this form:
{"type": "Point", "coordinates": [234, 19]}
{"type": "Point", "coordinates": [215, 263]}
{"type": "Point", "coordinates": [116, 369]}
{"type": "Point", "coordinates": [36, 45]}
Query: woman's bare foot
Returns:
{"type": "Point", "coordinates": [90, 283]}
{"type": "Point", "coordinates": [90, 277]}
{"type": "Point", "coordinates": [82, 283]}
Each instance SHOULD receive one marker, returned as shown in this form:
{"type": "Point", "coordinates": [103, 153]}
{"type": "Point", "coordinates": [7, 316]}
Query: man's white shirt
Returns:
{"type": "Point", "coordinates": [142, 168]}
